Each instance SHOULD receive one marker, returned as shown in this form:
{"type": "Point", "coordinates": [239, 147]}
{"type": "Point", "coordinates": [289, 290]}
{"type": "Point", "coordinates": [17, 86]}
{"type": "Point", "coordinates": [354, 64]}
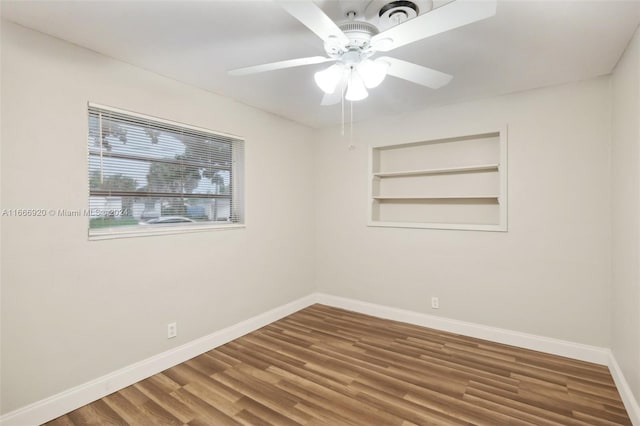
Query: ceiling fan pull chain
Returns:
{"type": "Point", "coordinates": [351, 145]}
{"type": "Point", "coordinates": [342, 102]}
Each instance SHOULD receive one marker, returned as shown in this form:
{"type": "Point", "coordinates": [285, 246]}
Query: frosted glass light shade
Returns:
{"type": "Point", "coordinates": [373, 72]}
{"type": "Point", "coordinates": [328, 79]}
{"type": "Point", "coordinates": [356, 90]}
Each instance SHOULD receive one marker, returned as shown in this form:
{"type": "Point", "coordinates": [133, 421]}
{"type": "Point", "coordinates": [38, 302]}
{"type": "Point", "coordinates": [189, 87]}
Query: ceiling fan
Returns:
{"type": "Point", "coordinates": [352, 44]}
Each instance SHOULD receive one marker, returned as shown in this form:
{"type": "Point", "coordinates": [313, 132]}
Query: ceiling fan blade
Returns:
{"type": "Point", "coordinates": [416, 73]}
{"type": "Point", "coordinates": [315, 19]}
{"type": "Point", "coordinates": [452, 15]}
{"type": "Point", "coordinates": [279, 65]}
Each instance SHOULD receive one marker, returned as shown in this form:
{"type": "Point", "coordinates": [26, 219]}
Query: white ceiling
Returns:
{"type": "Point", "coordinates": [528, 44]}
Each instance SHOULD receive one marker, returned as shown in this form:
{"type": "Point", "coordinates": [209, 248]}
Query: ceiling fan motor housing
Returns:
{"type": "Point", "coordinates": [359, 33]}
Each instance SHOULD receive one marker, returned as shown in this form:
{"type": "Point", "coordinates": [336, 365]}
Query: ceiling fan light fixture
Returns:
{"type": "Point", "coordinates": [328, 79]}
{"type": "Point", "coordinates": [373, 72]}
{"type": "Point", "coordinates": [356, 90]}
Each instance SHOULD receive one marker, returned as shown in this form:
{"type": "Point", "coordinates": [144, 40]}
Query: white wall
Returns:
{"type": "Point", "coordinates": [549, 275]}
{"type": "Point", "coordinates": [66, 320]}
{"type": "Point", "coordinates": [73, 310]}
{"type": "Point", "coordinates": [626, 215]}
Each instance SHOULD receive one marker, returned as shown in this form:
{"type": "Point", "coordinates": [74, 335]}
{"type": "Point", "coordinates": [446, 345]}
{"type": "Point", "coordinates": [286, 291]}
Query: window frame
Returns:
{"type": "Point", "coordinates": [237, 183]}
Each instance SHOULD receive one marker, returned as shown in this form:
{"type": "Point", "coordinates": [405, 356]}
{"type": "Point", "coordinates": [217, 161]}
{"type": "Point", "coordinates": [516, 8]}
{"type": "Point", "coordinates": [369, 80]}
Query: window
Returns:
{"type": "Point", "coordinates": [153, 176]}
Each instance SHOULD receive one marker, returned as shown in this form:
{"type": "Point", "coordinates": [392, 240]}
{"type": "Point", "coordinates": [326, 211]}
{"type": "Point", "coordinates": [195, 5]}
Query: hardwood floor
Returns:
{"type": "Point", "coordinates": [327, 366]}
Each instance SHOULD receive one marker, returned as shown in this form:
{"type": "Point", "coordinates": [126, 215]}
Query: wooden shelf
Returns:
{"type": "Point", "coordinates": [445, 170]}
{"type": "Point", "coordinates": [422, 225]}
{"type": "Point", "coordinates": [444, 197]}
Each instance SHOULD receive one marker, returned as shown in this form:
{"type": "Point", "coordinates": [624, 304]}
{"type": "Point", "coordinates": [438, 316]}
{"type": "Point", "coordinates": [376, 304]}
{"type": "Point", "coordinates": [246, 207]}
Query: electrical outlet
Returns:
{"type": "Point", "coordinates": [172, 330]}
{"type": "Point", "coordinates": [435, 303]}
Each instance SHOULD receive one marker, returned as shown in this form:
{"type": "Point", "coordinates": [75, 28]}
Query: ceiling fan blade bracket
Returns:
{"type": "Point", "coordinates": [334, 47]}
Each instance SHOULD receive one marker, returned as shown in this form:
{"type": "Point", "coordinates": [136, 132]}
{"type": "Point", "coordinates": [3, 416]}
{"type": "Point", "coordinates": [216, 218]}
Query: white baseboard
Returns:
{"type": "Point", "coordinates": [57, 405]}
{"type": "Point", "coordinates": [523, 340]}
{"type": "Point", "coordinates": [630, 403]}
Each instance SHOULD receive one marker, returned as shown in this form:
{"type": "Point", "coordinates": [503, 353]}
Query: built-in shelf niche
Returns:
{"type": "Point", "coordinates": [452, 183]}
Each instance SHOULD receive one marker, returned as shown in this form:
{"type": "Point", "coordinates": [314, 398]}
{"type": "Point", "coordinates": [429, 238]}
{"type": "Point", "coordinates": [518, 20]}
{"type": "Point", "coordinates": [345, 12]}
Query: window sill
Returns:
{"type": "Point", "coordinates": [138, 231]}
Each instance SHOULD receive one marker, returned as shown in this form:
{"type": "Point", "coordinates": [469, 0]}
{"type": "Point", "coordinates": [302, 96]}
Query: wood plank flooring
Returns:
{"type": "Point", "coordinates": [327, 366]}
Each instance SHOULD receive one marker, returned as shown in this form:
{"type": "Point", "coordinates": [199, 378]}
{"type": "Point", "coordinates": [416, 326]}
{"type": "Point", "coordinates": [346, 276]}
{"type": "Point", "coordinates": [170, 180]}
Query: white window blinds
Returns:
{"type": "Point", "coordinates": [147, 175]}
